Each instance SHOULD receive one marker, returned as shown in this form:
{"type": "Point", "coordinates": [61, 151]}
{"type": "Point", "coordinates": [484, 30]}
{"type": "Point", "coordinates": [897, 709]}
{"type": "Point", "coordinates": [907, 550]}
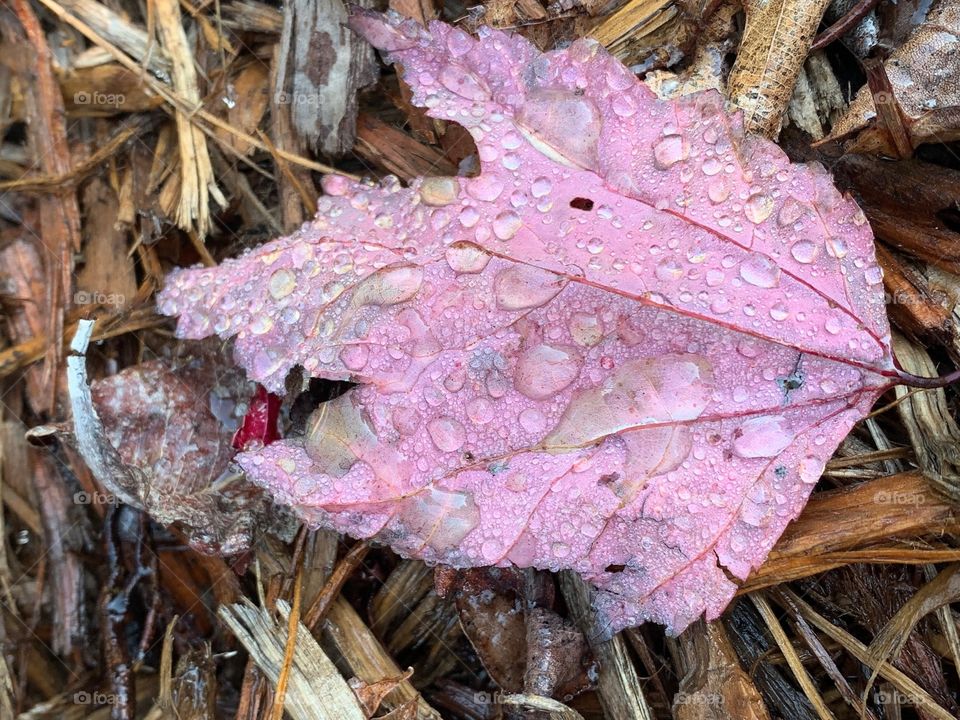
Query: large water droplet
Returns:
{"type": "Point", "coordinates": [532, 420]}
{"type": "Point", "coordinates": [490, 551]}
{"type": "Point", "coordinates": [455, 380]}
{"type": "Point", "coordinates": [443, 518]}
{"type": "Point", "coordinates": [459, 43]}
{"type": "Point", "coordinates": [711, 166]}
{"type": "Point", "coordinates": [758, 208]}
{"type": "Point", "coordinates": [763, 437]}
{"type": "Point", "coordinates": [718, 190]}
{"type": "Point", "coordinates": [336, 431]}
{"type": "Point", "coordinates": [670, 150]}
{"type": "Point", "coordinates": [282, 283]}
{"type": "Point", "coordinates": [544, 370]}
{"type": "Point", "coordinates": [447, 433]}
{"type": "Point", "coordinates": [506, 224]}
{"type": "Point", "coordinates": [667, 388]}
{"type": "Point", "coordinates": [406, 420]}
{"type": "Point", "coordinates": [524, 286]}
{"type": "Point", "coordinates": [389, 286]}
{"type": "Point", "coordinates": [439, 191]}
{"type": "Point", "coordinates": [873, 275]}
{"type": "Point", "coordinates": [455, 79]}
{"type": "Point", "coordinates": [837, 247]}
{"type": "Point", "coordinates": [354, 357]}
{"type": "Point", "coordinates": [469, 216]}
{"type": "Point", "coordinates": [261, 325]}
{"type": "Point", "coordinates": [541, 187]}
{"type": "Point", "coordinates": [480, 411]}
{"type": "Point", "coordinates": [760, 271]}
{"type": "Point", "coordinates": [811, 468]}
{"type": "Point", "coordinates": [486, 188]}
{"type": "Point", "coordinates": [562, 125]}
{"type": "Point", "coordinates": [586, 329]}
{"type": "Point", "coordinates": [619, 78]}
{"type": "Point", "coordinates": [497, 384]}
{"type": "Point", "coordinates": [335, 185]}
{"type": "Point", "coordinates": [804, 251]}
{"type": "Point", "coordinates": [669, 269]}
{"type": "Point", "coordinates": [790, 211]}
{"type": "Point", "coordinates": [714, 277]}
{"type": "Point", "coordinates": [721, 305]}
{"type": "Point", "coordinates": [595, 246]}
{"type": "Point", "coordinates": [624, 105]}
{"type": "Point", "coordinates": [748, 347]}
{"type": "Point", "coordinates": [511, 141]}
{"type": "Point", "coordinates": [465, 257]}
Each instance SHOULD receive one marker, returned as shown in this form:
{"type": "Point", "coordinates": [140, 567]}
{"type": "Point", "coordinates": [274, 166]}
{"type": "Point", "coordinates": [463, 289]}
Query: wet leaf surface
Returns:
{"type": "Point", "coordinates": [626, 348]}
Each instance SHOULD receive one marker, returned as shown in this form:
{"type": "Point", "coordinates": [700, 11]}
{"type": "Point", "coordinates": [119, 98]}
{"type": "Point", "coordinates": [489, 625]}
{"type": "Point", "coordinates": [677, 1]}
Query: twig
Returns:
{"type": "Point", "coordinates": [319, 608]}
{"type": "Point", "coordinates": [76, 174]}
{"type": "Point", "coordinates": [293, 623]}
{"type": "Point", "coordinates": [854, 15]}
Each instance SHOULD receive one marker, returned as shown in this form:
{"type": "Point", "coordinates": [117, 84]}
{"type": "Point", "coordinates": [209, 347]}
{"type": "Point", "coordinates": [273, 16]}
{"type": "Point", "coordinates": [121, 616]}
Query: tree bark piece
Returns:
{"type": "Point", "coordinates": [715, 686]}
{"type": "Point", "coordinates": [322, 68]}
{"type": "Point", "coordinates": [59, 227]}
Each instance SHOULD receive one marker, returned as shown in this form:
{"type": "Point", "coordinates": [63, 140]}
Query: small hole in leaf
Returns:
{"type": "Point", "coordinates": [317, 392]}
{"type": "Point", "coordinates": [791, 382]}
{"type": "Point", "coordinates": [615, 568]}
{"type": "Point", "coordinates": [581, 203]}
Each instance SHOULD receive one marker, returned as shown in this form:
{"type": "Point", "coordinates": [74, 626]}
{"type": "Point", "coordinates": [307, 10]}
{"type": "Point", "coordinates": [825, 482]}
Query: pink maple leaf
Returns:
{"type": "Point", "coordinates": [627, 348]}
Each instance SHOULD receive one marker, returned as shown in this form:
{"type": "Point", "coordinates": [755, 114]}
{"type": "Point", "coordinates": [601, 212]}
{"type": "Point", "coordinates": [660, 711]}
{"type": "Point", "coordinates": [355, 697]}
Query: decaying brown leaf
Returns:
{"type": "Point", "coordinates": [525, 646]}
{"type": "Point", "coordinates": [775, 42]}
{"type": "Point", "coordinates": [159, 438]}
{"type": "Point", "coordinates": [924, 75]}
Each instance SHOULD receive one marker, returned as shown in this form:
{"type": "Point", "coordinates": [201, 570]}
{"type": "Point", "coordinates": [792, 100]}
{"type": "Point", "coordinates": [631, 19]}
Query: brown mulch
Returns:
{"type": "Point", "coordinates": [138, 137]}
